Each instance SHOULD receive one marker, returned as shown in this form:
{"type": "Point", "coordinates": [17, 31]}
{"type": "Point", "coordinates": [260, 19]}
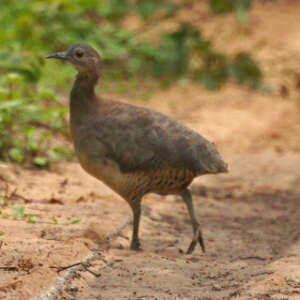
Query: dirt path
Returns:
{"type": "Point", "coordinates": [250, 218]}
{"type": "Point", "coordinates": [64, 235]}
{"type": "Point", "coordinates": [251, 226]}
{"type": "Point", "coordinates": [252, 236]}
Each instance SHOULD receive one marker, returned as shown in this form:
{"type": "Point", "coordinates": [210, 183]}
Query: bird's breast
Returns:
{"type": "Point", "coordinates": [106, 170]}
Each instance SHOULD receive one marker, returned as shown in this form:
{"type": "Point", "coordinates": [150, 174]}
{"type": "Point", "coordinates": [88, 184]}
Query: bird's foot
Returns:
{"type": "Point", "coordinates": [135, 245]}
{"type": "Point", "coordinates": [196, 238]}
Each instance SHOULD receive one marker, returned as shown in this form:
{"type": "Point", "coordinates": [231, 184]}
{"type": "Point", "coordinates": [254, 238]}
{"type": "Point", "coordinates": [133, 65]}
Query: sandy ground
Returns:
{"type": "Point", "coordinates": [64, 235]}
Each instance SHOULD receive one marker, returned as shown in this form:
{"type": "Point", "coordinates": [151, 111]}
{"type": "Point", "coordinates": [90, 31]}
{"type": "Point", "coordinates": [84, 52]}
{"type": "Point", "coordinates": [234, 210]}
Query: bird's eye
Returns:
{"type": "Point", "coordinates": [79, 53]}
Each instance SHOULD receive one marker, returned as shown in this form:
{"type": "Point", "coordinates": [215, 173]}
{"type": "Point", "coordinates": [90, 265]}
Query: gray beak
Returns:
{"type": "Point", "coordinates": [59, 55]}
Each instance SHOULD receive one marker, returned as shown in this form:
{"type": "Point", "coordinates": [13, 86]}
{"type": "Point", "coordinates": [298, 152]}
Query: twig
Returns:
{"type": "Point", "coordinates": [59, 269]}
{"type": "Point", "coordinates": [13, 194]}
{"type": "Point", "coordinates": [85, 266]}
{"type": "Point", "coordinates": [253, 257]}
{"type": "Point", "coordinates": [12, 268]}
{"type": "Point", "coordinates": [90, 271]}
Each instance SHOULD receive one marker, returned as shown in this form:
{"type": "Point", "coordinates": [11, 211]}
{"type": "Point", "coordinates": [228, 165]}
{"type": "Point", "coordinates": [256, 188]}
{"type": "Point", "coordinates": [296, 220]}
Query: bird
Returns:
{"type": "Point", "coordinates": [132, 149]}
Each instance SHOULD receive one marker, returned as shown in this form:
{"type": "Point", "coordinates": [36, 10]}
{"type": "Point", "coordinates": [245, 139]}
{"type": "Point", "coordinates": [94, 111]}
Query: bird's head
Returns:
{"type": "Point", "coordinates": [82, 56]}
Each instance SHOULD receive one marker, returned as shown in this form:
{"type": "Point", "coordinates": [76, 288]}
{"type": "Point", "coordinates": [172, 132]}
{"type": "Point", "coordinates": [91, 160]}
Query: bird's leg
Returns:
{"type": "Point", "coordinates": [136, 210]}
{"type": "Point", "coordinates": [187, 198]}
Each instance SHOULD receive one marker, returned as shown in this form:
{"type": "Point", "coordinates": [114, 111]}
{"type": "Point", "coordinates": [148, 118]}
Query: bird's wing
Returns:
{"type": "Point", "coordinates": [140, 139]}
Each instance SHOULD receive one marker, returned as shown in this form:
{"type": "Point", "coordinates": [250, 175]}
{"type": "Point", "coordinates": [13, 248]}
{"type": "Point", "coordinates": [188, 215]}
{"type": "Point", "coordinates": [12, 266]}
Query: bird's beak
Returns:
{"type": "Point", "coordinates": [59, 55]}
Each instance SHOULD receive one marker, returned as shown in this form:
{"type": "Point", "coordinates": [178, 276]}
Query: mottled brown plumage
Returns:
{"type": "Point", "coordinates": [134, 150]}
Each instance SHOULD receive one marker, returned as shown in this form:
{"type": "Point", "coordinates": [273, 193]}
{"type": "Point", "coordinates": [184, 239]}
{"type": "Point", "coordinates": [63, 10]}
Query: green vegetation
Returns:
{"type": "Point", "coordinates": [55, 221]}
{"type": "Point", "coordinates": [241, 7]}
{"type": "Point", "coordinates": [29, 116]}
{"type": "Point", "coordinates": [31, 107]}
{"type": "Point", "coordinates": [20, 214]}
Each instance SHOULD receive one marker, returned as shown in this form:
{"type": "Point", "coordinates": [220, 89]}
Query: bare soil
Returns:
{"type": "Point", "coordinates": [71, 241]}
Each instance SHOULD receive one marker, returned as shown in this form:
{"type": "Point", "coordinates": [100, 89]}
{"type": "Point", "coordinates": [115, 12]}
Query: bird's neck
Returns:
{"type": "Point", "coordinates": [85, 83]}
{"type": "Point", "coordinates": [83, 98]}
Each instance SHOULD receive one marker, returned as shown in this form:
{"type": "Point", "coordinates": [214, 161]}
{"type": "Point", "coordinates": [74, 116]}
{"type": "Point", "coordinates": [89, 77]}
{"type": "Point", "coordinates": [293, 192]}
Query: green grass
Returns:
{"type": "Point", "coordinates": [19, 213]}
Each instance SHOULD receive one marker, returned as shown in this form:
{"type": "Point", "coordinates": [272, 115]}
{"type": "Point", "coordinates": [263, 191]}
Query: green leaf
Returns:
{"type": "Point", "coordinates": [75, 221]}
{"type": "Point", "coordinates": [4, 93]}
{"type": "Point", "coordinates": [59, 153]}
{"type": "Point", "coordinates": [31, 219]}
{"type": "Point", "coordinates": [16, 154]}
{"type": "Point", "coordinates": [213, 73]}
{"type": "Point", "coordinates": [117, 9]}
{"type": "Point", "coordinates": [221, 6]}
{"type": "Point", "coordinates": [1, 233]}
{"type": "Point", "coordinates": [54, 220]}
{"type": "Point", "coordinates": [11, 104]}
{"type": "Point", "coordinates": [14, 78]}
{"type": "Point", "coordinates": [171, 57]}
{"type": "Point", "coordinates": [47, 94]}
{"type": "Point", "coordinates": [146, 8]}
{"type": "Point", "coordinates": [242, 8]}
{"type": "Point", "coordinates": [245, 70]}
{"type": "Point", "coordinates": [40, 161]}
{"type": "Point", "coordinates": [19, 212]}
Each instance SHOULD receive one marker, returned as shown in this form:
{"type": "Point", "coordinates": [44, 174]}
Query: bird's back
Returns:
{"type": "Point", "coordinates": [141, 139]}
{"type": "Point", "coordinates": [144, 146]}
